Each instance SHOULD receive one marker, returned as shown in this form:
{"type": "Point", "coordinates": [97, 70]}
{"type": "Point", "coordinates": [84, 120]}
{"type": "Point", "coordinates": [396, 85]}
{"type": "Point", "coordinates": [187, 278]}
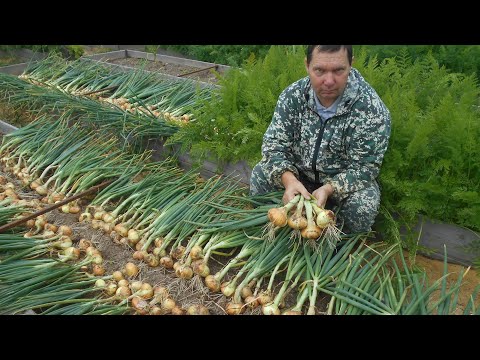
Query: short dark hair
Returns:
{"type": "Point", "coordinates": [329, 48]}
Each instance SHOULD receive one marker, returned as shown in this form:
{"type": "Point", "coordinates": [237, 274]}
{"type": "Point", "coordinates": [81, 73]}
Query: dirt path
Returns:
{"type": "Point", "coordinates": [435, 269]}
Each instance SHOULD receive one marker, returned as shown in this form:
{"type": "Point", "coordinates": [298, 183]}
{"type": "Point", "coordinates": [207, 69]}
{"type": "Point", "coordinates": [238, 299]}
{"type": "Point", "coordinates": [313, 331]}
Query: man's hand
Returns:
{"type": "Point", "coordinates": [322, 194]}
{"type": "Point", "coordinates": [292, 187]}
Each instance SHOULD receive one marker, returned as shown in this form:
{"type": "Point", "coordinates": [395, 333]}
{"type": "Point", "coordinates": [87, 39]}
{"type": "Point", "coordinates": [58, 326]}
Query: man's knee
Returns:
{"type": "Point", "coordinates": [259, 183]}
{"type": "Point", "coordinates": [360, 209]}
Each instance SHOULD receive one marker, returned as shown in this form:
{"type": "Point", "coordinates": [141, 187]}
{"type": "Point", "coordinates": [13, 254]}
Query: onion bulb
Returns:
{"type": "Point", "coordinates": [324, 218]}
{"type": "Point", "coordinates": [246, 292]}
{"type": "Point", "coordinates": [166, 262]}
{"type": "Point", "coordinates": [197, 309]}
{"type": "Point", "coordinates": [98, 270]}
{"type": "Point", "coordinates": [228, 288]}
{"type": "Point", "coordinates": [117, 275]}
{"type": "Point", "coordinates": [251, 302]}
{"type": "Point", "coordinates": [200, 268]}
{"type": "Point", "coordinates": [168, 304]}
{"type": "Point", "coordinates": [196, 252]}
{"type": "Point", "coordinates": [123, 282]}
{"type": "Point", "coordinates": [156, 310]}
{"type": "Point", "coordinates": [312, 231]}
{"type": "Point", "coordinates": [234, 308]}
{"type": "Point", "coordinates": [140, 305]}
{"type": "Point", "coordinates": [100, 283]}
{"type": "Point", "coordinates": [278, 216]}
{"type": "Point", "coordinates": [131, 269]}
{"type": "Point", "coordinates": [264, 298]}
{"type": "Point", "coordinates": [123, 292]}
{"type": "Point", "coordinates": [270, 309]}
{"type": "Point", "coordinates": [297, 221]}
{"type": "Point", "coordinates": [212, 283]}
{"type": "Point", "coordinates": [65, 230]}
{"type": "Point", "coordinates": [178, 310]}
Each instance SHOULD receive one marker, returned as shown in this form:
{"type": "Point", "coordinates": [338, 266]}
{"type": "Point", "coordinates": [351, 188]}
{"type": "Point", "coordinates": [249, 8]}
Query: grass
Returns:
{"type": "Point", "coordinates": [9, 60]}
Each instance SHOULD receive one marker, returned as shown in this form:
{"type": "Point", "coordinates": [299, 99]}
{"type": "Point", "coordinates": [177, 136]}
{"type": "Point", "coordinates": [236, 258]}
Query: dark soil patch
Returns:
{"type": "Point", "coordinates": [184, 71]}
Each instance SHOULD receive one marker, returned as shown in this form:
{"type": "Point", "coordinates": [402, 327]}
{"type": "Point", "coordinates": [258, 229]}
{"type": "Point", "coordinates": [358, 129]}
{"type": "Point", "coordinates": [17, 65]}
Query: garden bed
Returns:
{"type": "Point", "coordinates": [174, 67]}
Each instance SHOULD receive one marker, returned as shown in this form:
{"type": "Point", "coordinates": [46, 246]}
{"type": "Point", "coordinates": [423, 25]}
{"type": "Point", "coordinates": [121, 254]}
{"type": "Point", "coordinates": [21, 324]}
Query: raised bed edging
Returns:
{"type": "Point", "coordinates": [435, 234]}
{"type": "Point", "coordinates": [240, 171]}
{"type": "Point", "coordinates": [121, 54]}
{"type": "Point", "coordinates": [15, 69]}
{"type": "Point", "coordinates": [18, 69]}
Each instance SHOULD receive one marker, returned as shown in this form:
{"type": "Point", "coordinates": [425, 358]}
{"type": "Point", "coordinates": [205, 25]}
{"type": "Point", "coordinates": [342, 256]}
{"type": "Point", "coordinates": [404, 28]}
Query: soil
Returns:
{"type": "Point", "coordinates": [435, 269]}
{"type": "Point", "coordinates": [184, 292]}
{"type": "Point", "coordinates": [207, 75]}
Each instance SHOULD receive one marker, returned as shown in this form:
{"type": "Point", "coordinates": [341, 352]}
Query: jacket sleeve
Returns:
{"type": "Point", "coordinates": [278, 140]}
{"type": "Point", "coordinates": [365, 153]}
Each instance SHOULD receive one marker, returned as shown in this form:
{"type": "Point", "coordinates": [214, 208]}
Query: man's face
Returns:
{"type": "Point", "coordinates": [328, 73]}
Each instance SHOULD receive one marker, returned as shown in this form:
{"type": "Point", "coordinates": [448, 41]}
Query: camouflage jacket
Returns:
{"type": "Point", "coordinates": [346, 151]}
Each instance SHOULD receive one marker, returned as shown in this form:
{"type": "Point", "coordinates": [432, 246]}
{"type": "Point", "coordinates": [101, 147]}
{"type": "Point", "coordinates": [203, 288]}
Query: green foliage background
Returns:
{"type": "Point", "coordinates": [231, 128]}
{"type": "Point", "coordinates": [67, 51]}
{"type": "Point", "coordinates": [232, 55]}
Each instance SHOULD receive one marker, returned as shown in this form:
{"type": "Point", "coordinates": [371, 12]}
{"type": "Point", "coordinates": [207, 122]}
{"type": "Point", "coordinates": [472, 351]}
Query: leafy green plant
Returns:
{"type": "Point", "coordinates": [230, 126]}
{"type": "Point", "coordinates": [432, 165]}
{"type": "Point", "coordinates": [458, 58]}
{"type": "Point", "coordinates": [76, 51]}
{"type": "Point", "coordinates": [233, 55]}
{"type": "Point", "coordinates": [67, 51]}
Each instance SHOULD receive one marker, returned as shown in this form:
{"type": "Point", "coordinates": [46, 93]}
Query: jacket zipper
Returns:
{"type": "Point", "coordinates": [317, 149]}
{"type": "Point", "coordinates": [317, 144]}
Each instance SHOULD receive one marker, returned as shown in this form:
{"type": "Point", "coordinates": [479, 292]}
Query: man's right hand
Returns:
{"type": "Point", "coordinates": [293, 187]}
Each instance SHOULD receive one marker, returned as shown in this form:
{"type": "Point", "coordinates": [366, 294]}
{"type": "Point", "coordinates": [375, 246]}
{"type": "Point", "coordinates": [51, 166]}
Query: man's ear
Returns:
{"type": "Point", "coordinates": [353, 60]}
{"type": "Point", "coordinates": [306, 65]}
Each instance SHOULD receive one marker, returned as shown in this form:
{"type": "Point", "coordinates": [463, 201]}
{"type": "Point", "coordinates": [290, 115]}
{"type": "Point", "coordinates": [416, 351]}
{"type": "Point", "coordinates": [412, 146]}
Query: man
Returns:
{"type": "Point", "coordinates": [327, 138]}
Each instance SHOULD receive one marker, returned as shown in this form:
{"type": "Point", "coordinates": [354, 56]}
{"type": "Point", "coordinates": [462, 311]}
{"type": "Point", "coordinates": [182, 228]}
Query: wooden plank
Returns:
{"type": "Point", "coordinates": [15, 69]}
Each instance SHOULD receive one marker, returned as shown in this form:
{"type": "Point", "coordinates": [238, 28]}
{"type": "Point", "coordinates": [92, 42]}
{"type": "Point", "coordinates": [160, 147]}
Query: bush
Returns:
{"type": "Point", "coordinates": [232, 55]}
{"type": "Point", "coordinates": [432, 165]}
{"type": "Point", "coordinates": [230, 126]}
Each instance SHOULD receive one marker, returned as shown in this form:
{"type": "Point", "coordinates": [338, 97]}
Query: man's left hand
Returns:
{"type": "Point", "coordinates": [322, 194]}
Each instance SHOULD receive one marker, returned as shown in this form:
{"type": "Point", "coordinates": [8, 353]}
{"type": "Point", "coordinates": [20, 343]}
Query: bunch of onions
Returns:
{"type": "Point", "coordinates": [279, 216]}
